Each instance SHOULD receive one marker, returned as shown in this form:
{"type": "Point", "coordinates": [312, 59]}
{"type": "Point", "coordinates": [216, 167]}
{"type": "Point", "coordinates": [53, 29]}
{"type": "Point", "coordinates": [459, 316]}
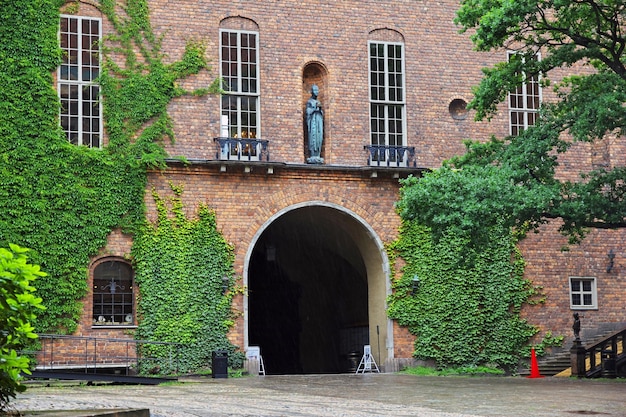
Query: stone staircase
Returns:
{"type": "Point", "coordinates": [551, 365]}
{"type": "Point", "coordinates": [560, 360]}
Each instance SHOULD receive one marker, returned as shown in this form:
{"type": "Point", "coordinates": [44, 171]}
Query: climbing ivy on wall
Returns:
{"type": "Point", "coordinates": [181, 264]}
{"type": "Point", "coordinates": [466, 309]}
{"type": "Point", "coordinates": [138, 90]}
{"type": "Point", "coordinates": [62, 200]}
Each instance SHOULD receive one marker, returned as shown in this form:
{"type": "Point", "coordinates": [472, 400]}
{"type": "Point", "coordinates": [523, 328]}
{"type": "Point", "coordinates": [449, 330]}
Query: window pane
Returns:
{"type": "Point", "coordinates": [387, 96]}
{"type": "Point", "coordinates": [113, 294]}
{"type": "Point", "coordinates": [80, 68]}
{"type": "Point", "coordinates": [373, 64]}
{"type": "Point", "coordinates": [240, 73]}
{"type": "Point", "coordinates": [576, 299]}
{"type": "Point", "coordinates": [525, 99]}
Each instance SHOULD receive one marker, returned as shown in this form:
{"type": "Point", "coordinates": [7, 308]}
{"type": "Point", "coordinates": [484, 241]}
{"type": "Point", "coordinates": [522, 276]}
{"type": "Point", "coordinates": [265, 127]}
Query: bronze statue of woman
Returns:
{"type": "Point", "coordinates": [576, 326]}
{"type": "Point", "coordinates": [315, 126]}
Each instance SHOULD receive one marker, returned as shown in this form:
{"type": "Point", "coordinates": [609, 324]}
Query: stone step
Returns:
{"type": "Point", "coordinates": [557, 363]}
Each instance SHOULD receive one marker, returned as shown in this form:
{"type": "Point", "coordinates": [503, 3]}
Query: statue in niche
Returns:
{"type": "Point", "coordinates": [315, 126]}
{"type": "Point", "coordinates": [576, 326]}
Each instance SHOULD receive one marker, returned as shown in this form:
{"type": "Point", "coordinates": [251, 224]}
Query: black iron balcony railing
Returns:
{"type": "Point", "coordinates": [242, 149]}
{"type": "Point", "coordinates": [390, 156]}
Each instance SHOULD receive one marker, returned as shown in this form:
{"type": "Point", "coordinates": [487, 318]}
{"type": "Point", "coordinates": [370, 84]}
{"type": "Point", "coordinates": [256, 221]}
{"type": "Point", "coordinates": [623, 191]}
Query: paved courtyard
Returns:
{"type": "Point", "coordinates": [344, 395]}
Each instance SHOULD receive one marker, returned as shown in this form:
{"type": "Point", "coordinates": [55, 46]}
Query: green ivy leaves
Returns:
{"type": "Point", "coordinates": [466, 309]}
{"type": "Point", "coordinates": [180, 266]}
{"type": "Point", "coordinates": [60, 200]}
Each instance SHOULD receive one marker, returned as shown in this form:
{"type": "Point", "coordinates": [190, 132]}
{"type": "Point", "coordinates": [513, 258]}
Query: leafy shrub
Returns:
{"type": "Point", "coordinates": [18, 306]}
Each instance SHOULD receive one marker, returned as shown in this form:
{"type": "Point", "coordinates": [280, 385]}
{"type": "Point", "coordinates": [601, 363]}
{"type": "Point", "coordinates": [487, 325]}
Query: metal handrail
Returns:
{"type": "Point", "coordinates": [90, 358]}
{"type": "Point", "coordinates": [605, 349]}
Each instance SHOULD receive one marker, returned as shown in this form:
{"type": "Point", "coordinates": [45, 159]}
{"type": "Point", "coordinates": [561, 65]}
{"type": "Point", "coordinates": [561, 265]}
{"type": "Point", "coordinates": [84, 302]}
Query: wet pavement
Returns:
{"type": "Point", "coordinates": [344, 395]}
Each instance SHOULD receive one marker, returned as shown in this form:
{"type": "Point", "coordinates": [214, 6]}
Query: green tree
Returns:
{"type": "Point", "coordinates": [18, 308]}
{"type": "Point", "coordinates": [514, 179]}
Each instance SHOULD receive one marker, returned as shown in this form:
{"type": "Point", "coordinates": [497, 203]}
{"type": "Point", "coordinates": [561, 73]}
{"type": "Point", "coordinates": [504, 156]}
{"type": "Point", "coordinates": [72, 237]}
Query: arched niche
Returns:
{"type": "Point", "coordinates": [315, 73]}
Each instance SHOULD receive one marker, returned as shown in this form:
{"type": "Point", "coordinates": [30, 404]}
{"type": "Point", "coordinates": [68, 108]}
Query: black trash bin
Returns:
{"type": "Point", "coordinates": [219, 364]}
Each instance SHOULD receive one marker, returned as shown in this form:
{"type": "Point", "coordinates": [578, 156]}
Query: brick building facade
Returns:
{"type": "Point", "coordinates": [343, 208]}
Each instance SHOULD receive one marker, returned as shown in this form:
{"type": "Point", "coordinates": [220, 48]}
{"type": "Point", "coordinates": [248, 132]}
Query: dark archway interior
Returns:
{"type": "Point", "coordinates": [307, 294]}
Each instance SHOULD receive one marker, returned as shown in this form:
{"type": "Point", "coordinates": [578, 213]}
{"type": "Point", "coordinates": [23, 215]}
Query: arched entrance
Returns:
{"type": "Point", "coordinates": [317, 283]}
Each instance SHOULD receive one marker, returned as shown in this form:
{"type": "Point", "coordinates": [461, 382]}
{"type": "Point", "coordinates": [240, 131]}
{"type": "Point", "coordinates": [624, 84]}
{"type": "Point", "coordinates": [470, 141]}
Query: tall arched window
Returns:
{"type": "Point", "coordinates": [387, 98]}
{"type": "Point", "coordinates": [239, 69]}
{"type": "Point", "coordinates": [524, 101]}
{"type": "Point", "coordinates": [113, 300]}
{"type": "Point", "coordinates": [81, 107]}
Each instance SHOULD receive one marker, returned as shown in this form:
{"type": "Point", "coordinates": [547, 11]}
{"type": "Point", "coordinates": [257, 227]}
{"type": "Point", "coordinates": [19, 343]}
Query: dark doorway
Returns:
{"type": "Point", "coordinates": [307, 294]}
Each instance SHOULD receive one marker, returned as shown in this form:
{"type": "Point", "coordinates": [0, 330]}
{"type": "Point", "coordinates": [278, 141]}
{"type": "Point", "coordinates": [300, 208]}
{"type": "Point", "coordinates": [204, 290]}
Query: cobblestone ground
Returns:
{"type": "Point", "coordinates": [343, 396]}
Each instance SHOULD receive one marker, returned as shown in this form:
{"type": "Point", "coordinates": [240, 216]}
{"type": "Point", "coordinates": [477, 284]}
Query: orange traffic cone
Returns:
{"type": "Point", "coordinates": [534, 367]}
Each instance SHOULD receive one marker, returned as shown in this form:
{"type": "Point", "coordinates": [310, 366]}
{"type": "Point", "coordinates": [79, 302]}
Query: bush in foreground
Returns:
{"type": "Point", "coordinates": [18, 307]}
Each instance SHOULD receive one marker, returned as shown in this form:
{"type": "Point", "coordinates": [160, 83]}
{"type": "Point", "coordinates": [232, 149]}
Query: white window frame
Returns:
{"type": "Point", "coordinates": [581, 292]}
{"type": "Point", "coordinates": [79, 92]}
{"type": "Point", "coordinates": [386, 103]}
{"type": "Point", "coordinates": [529, 114]}
{"type": "Point", "coordinates": [239, 151]}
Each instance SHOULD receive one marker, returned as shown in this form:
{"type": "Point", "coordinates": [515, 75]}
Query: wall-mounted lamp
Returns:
{"type": "Point", "coordinates": [415, 284]}
{"type": "Point", "coordinates": [611, 256]}
{"type": "Point", "coordinates": [225, 284]}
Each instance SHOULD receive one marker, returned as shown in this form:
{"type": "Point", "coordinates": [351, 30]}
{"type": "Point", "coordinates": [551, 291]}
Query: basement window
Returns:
{"type": "Point", "coordinates": [113, 299]}
{"type": "Point", "coordinates": [583, 293]}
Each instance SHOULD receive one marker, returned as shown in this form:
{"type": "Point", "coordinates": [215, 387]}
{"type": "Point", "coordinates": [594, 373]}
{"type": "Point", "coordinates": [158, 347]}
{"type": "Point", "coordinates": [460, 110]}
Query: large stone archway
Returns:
{"type": "Point", "coordinates": [317, 278]}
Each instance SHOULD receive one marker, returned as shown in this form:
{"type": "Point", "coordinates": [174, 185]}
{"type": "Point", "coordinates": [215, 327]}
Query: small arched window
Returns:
{"type": "Point", "coordinates": [113, 299]}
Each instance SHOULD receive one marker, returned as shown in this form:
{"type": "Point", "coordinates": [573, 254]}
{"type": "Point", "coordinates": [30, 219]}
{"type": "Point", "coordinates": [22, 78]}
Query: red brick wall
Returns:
{"type": "Point", "coordinates": [334, 34]}
{"type": "Point", "coordinates": [244, 203]}
{"type": "Point", "coordinates": [550, 267]}
{"type": "Point", "coordinates": [440, 67]}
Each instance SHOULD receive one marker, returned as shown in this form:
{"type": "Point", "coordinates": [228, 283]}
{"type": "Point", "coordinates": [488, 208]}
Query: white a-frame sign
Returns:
{"type": "Point", "coordinates": [367, 364]}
